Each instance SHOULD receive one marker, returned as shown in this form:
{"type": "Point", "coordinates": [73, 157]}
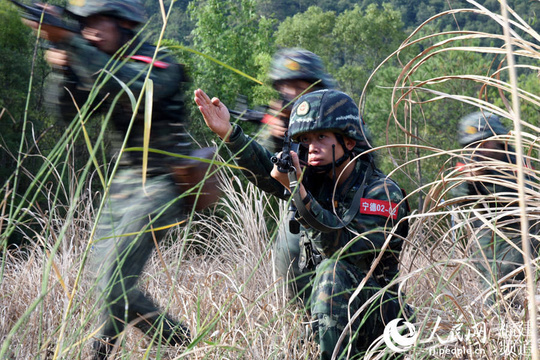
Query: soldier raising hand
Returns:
{"type": "Point", "coordinates": [348, 209]}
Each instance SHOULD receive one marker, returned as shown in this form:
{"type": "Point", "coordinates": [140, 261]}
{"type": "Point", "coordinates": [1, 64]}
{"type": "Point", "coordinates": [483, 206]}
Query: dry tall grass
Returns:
{"type": "Point", "coordinates": [216, 273]}
{"type": "Point", "coordinates": [440, 260]}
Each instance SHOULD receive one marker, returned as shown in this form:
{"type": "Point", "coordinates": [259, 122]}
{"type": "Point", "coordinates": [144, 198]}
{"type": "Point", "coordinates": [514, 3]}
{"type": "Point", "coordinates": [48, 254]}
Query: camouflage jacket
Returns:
{"type": "Point", "coordinates": [501, 180]}
{"type": "Point", "coordinates": [89, 67]}
{"type": "Point", "coordinates": [360, 242]}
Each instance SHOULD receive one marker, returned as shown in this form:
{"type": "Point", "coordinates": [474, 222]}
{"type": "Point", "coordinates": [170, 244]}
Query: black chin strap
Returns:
{"type": "Point", "coordinates": [347, 217]}
{"type": "Point", "coordinates": [322, 169]}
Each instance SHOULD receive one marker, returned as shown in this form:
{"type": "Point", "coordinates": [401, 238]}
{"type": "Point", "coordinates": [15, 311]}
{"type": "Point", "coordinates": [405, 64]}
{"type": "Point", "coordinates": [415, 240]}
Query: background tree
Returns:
{"type": "Point", "coordinates": [232, 32]}
{"type": "Point", "coordinates": [17, 53]}
{"type": "Point", "coordinates": [351, 44]}
{"type": "Point", "coordinates": [280, 10]}
{"type": "Point", "coordinates": [179, 24]}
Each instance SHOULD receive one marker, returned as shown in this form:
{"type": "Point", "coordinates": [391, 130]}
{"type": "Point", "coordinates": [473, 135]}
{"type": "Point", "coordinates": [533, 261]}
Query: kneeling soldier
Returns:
{"type": "Point", "coordinates": [347, 207]}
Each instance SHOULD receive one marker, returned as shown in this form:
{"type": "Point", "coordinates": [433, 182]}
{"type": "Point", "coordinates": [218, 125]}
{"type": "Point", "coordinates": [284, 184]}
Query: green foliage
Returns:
{"type": "Point", "coordinates": [530, 83]}
{"type": "Point", "coordinates": [433, 123]}
{"type": "Point", "coordinates": [285, 8]}
{"type": "Point", "coordinates": [179, 24]}
{"type": "Point", "coordinates": [364, 38]}
{"type": "Point", "coordinates": [311, 30]}
{"type": "Point", "coordinates": [351, 44]}
{"type": "Point", "coordinates": [17, 53]}
{"type": "Point", "coordinates": [413, 13]}
{"type": "Point", "coordinates": [231, 32]}
{"type": "Point", "coordinates": [416, 12]}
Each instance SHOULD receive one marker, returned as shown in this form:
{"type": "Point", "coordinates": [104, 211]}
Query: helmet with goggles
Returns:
{"type": "Point", "coordinates": [299, 64]}
{"type": "Point", "coordinates": [479, 126]}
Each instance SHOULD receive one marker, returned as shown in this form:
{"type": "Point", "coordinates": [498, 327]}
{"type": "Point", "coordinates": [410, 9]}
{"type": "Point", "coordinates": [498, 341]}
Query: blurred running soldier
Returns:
{"type": "Point", "coordinates": [490, 165]}
{"type": "Point", "coordinates": [124, 240]}
{"type": "Point", "coordinates": [293, 72]}
{"type": "Point", "coordinates": [347, 228]}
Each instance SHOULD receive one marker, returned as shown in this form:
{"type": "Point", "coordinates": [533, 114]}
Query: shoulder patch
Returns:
{"type": "Point", "coordinates": [379, 207]}
{"type": "Point", "coordinates": [148, 60]}
{"type": "Point", "coordinates": [460, 166]}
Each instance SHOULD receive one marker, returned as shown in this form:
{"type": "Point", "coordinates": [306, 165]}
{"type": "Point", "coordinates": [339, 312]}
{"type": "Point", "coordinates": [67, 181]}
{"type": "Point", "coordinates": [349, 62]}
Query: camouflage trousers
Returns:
{"type": "Point", "coordinates": [123, 244]}
{"type": "Point", "coordinates": [334, 283]}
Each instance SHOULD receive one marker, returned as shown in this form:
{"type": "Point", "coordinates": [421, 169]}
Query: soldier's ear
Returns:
{"type": "Point", "coordinates": [349, 143]}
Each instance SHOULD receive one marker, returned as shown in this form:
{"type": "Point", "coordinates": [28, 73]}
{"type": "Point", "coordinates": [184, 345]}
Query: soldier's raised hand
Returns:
{"type": "Point", "coordinates": [215, 113]}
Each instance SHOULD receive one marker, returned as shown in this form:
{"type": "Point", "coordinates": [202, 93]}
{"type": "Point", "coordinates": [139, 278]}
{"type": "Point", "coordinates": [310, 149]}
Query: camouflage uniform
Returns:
{"type": "Point", "coordinates": [490, 197]}
{"type": "Point", "coordinates": [347, 253]}
{"type": "Point", "coordinates": [123, 241]}
{"type": "Point", "coordinates": [291, 64]}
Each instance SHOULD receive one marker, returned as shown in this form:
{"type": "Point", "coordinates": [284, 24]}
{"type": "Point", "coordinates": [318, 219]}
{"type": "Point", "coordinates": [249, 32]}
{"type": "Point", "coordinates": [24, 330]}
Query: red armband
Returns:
{"type": "Point", "coordinates": [267, 118]}
{"type": "Point", "coordinates": [379, 207]}
{"type": "Point", "coordinates": [148, 60]}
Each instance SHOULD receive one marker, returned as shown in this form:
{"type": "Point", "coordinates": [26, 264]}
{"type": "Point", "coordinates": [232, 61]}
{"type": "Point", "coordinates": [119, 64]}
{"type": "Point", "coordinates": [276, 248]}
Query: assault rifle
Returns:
{"type": "Point", "coordinates": [39, 13]}
{"type": "Point", "coordinates": [284, 165]}
{"type": "Point", "coordinates": [241, 111]}
{"type": "Point", "coordinates": [284, 161]}
{"type": "Point", "coordinates": [248, 115]}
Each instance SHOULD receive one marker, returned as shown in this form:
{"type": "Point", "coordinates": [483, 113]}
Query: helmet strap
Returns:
{"type": "Point", "coordinates": [334, 162]}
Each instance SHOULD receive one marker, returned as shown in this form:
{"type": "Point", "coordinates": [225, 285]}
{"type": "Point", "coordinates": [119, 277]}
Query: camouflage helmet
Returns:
{"type": "Point", "coordinates": [479, 126]}
{"type": "Point", "coordinates": [131, 10]}
{"type": "Point", "coordinates": [299, 64]}
{"type": "Point", "coordinates": [327, 110]}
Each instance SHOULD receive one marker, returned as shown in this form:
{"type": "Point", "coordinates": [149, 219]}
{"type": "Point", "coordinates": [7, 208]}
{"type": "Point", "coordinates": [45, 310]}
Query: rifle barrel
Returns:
{"type": "Point", "coordinates": [40, 15]}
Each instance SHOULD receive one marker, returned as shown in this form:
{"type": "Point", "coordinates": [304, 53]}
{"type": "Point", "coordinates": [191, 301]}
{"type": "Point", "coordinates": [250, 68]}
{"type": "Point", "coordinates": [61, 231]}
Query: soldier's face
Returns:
{"type": "Point", "coordinates": [102, 32]}
{"type": "Point", "coordinates": [490, 149]}
{"type": "Point", "coordinates": [319, 145]}
{"type": "Point", "coordinates": [290, 89]}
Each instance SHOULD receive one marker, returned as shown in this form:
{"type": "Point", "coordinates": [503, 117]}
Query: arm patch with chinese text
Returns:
{"type": "Point", "coordinates": [379, 207]}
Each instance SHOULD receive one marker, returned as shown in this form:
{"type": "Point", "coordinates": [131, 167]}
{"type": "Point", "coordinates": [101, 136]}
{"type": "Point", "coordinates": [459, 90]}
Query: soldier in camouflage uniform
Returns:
{"type": "Point", "coordinates": [293, 72]}
{"type": "Point", "coordinates": [347, 227]}
{"type": "Point", "coordinates": [125, 238]}
{"type": "Point", "coordinates": [490, 164]}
